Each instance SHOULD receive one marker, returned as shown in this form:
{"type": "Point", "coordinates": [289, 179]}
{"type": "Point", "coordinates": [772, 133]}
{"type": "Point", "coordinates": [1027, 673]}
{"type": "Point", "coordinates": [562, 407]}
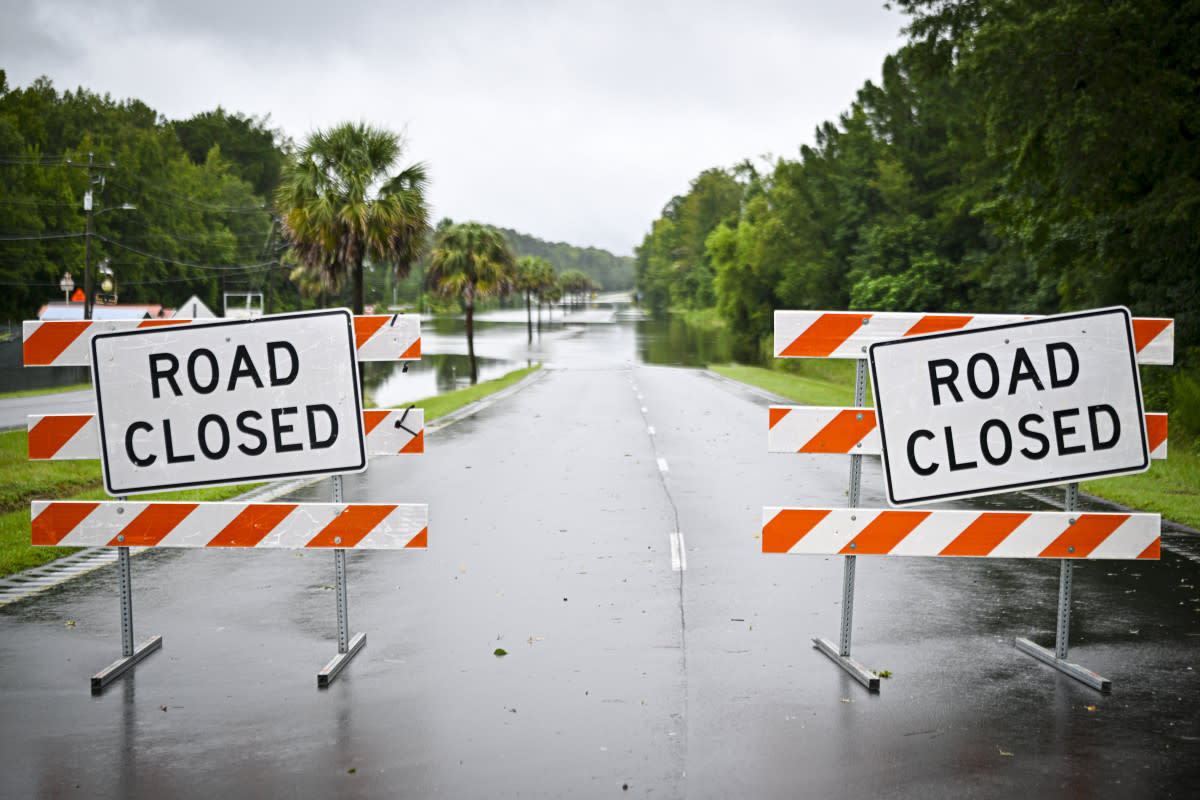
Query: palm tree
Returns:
{"type": "Point", "coordinates": [534, 274]}
{"type": "Point", "coordinates": [577, 285]}
{"type": "Point", "coordinates": [550, 295]}
{"type": "Point", "coordinates": [473, 262]}
{"type": "Point", "coordinates": [340, 204]}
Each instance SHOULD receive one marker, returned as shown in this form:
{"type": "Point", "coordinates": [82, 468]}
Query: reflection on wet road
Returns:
{"type": "Point", "coordinates": [601, 527]}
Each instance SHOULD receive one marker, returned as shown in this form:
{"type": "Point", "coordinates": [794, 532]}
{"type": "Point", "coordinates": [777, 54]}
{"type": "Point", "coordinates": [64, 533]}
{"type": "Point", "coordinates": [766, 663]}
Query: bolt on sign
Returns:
{"type": "Point", "coordinates": [1009, 407]}
{"type": "Point", "coordinates": [228, 402]}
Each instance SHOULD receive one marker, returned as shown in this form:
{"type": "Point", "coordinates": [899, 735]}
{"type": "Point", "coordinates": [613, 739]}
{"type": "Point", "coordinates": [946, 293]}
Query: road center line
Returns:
{"type": "Point", "coordinates": [662, 465]}
{"type": "Point", "coordinates": [678, 554]}
{"type": "Point", "coordinates": [650, 430]}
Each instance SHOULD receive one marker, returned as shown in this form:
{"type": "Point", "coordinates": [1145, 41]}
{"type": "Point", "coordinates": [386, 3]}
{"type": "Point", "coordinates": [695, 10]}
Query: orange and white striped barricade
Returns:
{"type": "Point", "coordinates": [289, 526]}
{"type": "Point", "coordinates": [848, 334]}
{"type": "Point", "coordinates": [854, 432]}
{"type": "Point", "coordinates": [64, 343]}
{"type": "Point", "coordinates": [846, 431]}
{"type": "Point", "coordinates": [1062, 535]}
{"type": "Point", "coordinates": [337, 526]}
{"type": "Point", "coordinates": [961, 534]}
{"type": "Point", "coordinates": [64, 437]}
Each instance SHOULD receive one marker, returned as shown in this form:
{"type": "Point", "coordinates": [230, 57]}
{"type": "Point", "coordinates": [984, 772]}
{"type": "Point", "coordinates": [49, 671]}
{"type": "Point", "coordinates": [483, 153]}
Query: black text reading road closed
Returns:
{"type": "Point", "coordinates": [1022, 404]}
{"type": "Point", "coordinates": [1034, 435]}
{"type": "Point", "coordinates": [205, 404]}
{"type": "Point", "coordinates": [253, 431]}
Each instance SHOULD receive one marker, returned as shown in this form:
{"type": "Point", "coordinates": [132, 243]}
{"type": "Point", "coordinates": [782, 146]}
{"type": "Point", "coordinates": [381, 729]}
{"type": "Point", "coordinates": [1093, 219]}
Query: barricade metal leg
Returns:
{"type": "Point", "coordinates": [130, 655]}
{"type": "Point", "coordinates": [1058, 659]}
{"type": "Point", "coordinates": [841, 654]}
{"type": "Point", "coordinates": [348, 646]}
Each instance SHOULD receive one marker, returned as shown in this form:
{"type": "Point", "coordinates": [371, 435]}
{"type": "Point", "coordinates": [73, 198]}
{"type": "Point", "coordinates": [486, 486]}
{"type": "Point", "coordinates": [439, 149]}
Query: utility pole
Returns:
{"type": "Point", "coordinates": [88, 283]}
{"type": "Point", "coordinates": [270, 309]}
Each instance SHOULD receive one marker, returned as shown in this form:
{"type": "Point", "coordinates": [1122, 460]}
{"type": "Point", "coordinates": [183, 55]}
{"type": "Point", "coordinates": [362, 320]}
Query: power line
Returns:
{"type": "Point", "coordinates": [43, 203]}
{"type": "Point", "coordinates": [189, 200]}
{"type": "Point", "coordinates": [12, 159]}
{"type": "Point", "coordinates": [213, 239]}
{"type": "Point", "coordinates": [155, 256]}
{"type": "Point", "coordinates": [32, 161]}
{"type": "Point", "coordinates": [115, 243]}
{"type": "Point", "coordinates": [25, 237]}
{"type": "Point", "coordinates": [127, 283]}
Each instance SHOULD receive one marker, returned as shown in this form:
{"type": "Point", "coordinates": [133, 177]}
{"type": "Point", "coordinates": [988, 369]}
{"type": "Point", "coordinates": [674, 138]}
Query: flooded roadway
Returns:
{"type": "Point", "coordinates": [600, 525]}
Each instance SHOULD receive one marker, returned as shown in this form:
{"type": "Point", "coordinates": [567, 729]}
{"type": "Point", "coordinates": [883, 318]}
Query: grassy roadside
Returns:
{"type": "Point", "coordinates": [78, 387]}
{"type": "Point", "coordinates": [442, 404]}
{"type": "Point", "coordinates": [1170, 488]}
{"type": "Point", "coordinates": [22, 481]}
{"type": "Point", "coordinates": [824, 383]}
{"type": "Point", "coordinates": [16, 553]}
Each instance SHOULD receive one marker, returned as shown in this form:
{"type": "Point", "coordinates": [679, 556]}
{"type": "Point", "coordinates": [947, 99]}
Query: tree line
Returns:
{"type": "Point", "coordinates": [178, 208]}
{"type": "Point", "coordinates": [200, 206]}
{"type": "Point", "coordinates": [1016, 156]}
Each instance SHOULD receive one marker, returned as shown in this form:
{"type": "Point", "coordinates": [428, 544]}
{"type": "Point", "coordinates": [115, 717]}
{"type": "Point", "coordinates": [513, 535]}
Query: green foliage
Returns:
{"type": "Point", "coordinates": [672, 265]}
{"type": "Point", "coordinates": [1170, 488]}
{"type": "Point", "coordinates": [1184, 416]}
{"type": "Point", "coordinates": [75, 387]}
{"type": "Point", "coordinates": [1014, 157]}
{"type": "Point", "coordinates": [473, 263]}
{"type": "Point", "coordinates": [443, 404]}
{"type": "Point", "coordinates": [197, 225]}
{"type": "Point", "coordinates": [600, 266]}
{"type": "Point", "coordinates": [607, 270]}
{"type": "Point", "coordinates": [252, 150]}
{"type": "Point", "coordinates": [534, 278]}
{"type": "Point", "coordinates": [577, 286]}
{"type": "Point", "coordinates": [25, 480]}
{"type": "Point", "coordinates": [341, 205]}
{"type": "Point", "coordinates": [819, 390]}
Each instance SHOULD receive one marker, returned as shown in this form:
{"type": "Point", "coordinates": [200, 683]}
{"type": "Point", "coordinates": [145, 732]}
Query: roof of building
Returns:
{"type": "Point", "coordinates": [59, 311]}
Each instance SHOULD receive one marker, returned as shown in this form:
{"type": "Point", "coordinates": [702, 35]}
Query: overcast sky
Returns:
{"type": "Point", "coordinates": [570, 121]}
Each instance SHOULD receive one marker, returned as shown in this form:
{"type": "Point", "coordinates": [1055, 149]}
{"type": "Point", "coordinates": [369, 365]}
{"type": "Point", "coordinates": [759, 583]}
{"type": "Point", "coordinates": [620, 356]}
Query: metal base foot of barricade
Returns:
{"type": "Point", "coordinates": [122, 665]}
{"type": "Point", "coordinates": [1077, 672]}
{"type": "Point", "coordinates": [339, 662]}
{"type": "Point", "coordinates": [857, 671]}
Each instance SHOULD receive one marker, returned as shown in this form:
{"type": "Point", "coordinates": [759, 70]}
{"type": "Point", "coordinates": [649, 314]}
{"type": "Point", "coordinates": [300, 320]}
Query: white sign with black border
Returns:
{"type": "Point", "coordinates": [185, 406]}
{"type": "Point", "coordinates": [1015, 406]}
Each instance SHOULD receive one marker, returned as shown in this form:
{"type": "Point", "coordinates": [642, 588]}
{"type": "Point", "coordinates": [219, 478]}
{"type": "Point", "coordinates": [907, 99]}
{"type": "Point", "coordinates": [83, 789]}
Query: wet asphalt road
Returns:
{"type": "Point", "coordinates": [552, 513]}
{"type": "Point", "coordinates": [15, 410]}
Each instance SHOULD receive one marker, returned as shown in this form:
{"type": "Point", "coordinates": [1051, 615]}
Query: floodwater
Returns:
{"type": "Point", "coordinates": [574, 338]}
{"type": "Point", "coordinates": [566, 337]}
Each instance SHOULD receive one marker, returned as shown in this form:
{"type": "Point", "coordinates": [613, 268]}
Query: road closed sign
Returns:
{"type": "Point", "coordinates": [228, 402]}
{"type": "Point", "coordinates": [1009, 407]}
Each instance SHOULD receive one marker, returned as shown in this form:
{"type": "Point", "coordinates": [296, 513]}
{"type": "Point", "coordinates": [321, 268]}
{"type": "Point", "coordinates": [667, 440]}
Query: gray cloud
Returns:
{"type": "Point", "coordinates": [572, 121]}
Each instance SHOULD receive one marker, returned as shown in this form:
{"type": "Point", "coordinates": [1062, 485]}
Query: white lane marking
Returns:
{"type": "Point", "coordinates": [640, 397]}
{"type": "Point", "coordinates": [651, 430]}
{"type": "Point", "coordinates": [644, 409]}
{"type": "Point", "coordinates": [662, 465]}
{"type": "Point", "coordinates": [678, 554]}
